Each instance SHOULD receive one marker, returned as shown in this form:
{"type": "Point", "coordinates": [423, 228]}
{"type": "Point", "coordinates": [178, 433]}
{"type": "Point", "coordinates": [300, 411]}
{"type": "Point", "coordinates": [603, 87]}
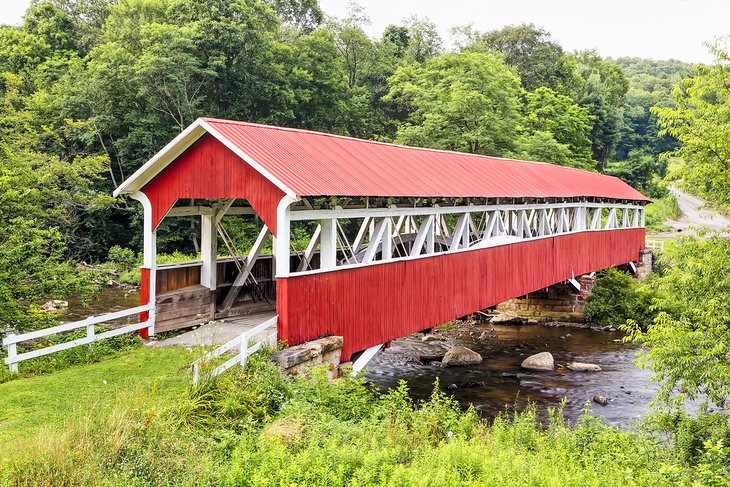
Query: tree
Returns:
{"type": "Point", "coordinates": [423, 39]}
{"type": "Point", "coordinates": [541, 146]}
{"type": "Point", "coordinates": [569, 124]}
{"type": "Point", "coordinates": [602, 94]}
{"type": "Point", "coordinates": [688, 345]}
{"type": "Point", "coordinates": [466, 102]}
{"type": "Point", "coordinates": [701, 123]}
{"type": "Point", "coordinates": [538, 59]}
{"type": "Point", "coordinates": [642, 171]}
{"type": "Point", "coordinates": [304, 15]}
{"type": "Point", "coordinates": [650, 84]}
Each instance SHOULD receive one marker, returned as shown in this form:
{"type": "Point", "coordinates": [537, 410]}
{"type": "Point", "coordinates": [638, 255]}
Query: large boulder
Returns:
{"type": "Point", "coordinates": [583, 367]}
{"type": "Point", "coordinates": [505, 319]}
{"type": "Point", "coordinates": [539, 361]}
{"type": "Point", "coordinates": [459, 356]}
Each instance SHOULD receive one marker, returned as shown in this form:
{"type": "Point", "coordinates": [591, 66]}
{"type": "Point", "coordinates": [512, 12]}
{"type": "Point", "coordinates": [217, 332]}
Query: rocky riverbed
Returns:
{"type": "Point", "coordinates": [500, 382]}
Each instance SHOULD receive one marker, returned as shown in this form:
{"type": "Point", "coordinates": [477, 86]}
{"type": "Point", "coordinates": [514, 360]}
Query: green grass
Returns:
{"type": "Point", "coordinates": [661, 210]}
{"type": "Point", "coordinates": [49, 402]}
{"type": "Point", "coordinates": [144, 427]}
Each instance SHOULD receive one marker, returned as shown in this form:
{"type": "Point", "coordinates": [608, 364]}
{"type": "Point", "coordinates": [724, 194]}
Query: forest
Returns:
{"type": "Point", "coordinates": [91, 89]}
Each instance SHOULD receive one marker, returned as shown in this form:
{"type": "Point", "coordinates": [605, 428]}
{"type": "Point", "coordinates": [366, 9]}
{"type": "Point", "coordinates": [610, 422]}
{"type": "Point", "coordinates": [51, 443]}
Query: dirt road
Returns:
{"type": "Point", "coordinates": [693, 215]}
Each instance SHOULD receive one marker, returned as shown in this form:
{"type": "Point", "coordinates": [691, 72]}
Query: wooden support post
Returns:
{"type": "Point", "coordinates": [149, 267]}
{"type": "Point", "coordinates": [309, 251]}
{"type": "Point", "coordinates": [246, 269]}
{"type": "Point", "coordinates": [209, 255]}
{"type": "Point", "coordinates": [328, 243]}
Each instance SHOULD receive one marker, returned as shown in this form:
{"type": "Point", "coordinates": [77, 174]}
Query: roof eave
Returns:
{"type": "Point", "coordinates": [159, 161]}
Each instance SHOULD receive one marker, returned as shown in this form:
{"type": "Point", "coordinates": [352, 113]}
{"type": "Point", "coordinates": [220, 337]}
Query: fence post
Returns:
{"type": "Point", "coordinates": [12, 353]}
{"type": "Point", "coordinates": [244, 349]}
{"type": "Point", "coordinates": [90, 332]}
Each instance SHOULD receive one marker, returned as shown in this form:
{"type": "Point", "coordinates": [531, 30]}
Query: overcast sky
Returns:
{"type": "Point", "coordinates": [658, 29]}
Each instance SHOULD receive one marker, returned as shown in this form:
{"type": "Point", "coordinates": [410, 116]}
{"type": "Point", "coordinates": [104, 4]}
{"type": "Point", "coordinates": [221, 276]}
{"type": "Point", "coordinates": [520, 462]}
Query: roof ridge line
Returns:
{"type": "Point", "coordinates": [389, 144]}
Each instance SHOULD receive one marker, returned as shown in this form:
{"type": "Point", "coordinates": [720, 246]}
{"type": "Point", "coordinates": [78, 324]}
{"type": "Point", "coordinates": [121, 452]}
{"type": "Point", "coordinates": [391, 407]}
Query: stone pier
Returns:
{"type": "Point", "coordinates": [558, 302]}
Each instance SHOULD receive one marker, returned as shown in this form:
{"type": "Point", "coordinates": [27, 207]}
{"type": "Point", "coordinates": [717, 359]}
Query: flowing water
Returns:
{"type": "Point", "coordinates": [499, 382]}
{"type": "Point", "coordinates": [112, 298]}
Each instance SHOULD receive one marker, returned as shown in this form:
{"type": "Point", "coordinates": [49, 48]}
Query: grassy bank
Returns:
{"type": "Point", "coordinates": [661, 210]}
{"type": "Point", "coordinates": [133, 421]}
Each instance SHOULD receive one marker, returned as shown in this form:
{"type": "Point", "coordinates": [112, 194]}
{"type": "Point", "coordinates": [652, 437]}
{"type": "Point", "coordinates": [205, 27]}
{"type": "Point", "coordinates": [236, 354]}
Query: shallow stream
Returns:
{"type": "Point", "coordinates": [499, 382]}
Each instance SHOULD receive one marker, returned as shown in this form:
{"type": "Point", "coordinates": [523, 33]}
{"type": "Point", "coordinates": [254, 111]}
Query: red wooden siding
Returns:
{"type": "Point", "coordinates": [209, 170]}
{"type": "Point", "coordinates": [378, 303]}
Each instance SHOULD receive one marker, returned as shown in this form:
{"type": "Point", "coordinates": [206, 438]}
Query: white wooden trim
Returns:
{"type": "Point", "coordinates": [364, 358]}
{"type": "Point", "coordinates": [251, 162]}
{"type": "Point", "coordinates": [242, 343]}
{"type": "Point", "coordinates": [298, 214]}
{"type": "Point", "coordinates": [159, 161]}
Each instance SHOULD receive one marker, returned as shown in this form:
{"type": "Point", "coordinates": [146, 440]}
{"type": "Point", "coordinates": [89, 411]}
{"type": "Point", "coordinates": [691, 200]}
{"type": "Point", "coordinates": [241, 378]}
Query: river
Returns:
{"type": "Point", "coordinates": [499, 382]}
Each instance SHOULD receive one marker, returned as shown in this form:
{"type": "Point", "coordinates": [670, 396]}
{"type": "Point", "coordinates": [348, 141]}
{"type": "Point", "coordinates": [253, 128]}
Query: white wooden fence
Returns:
{"type": "Point", "coordinates": [12, 340]}
{"type": "Point", "coordinates": [655, 244]}
{"type": "Point", "coordinates": [240, 342]}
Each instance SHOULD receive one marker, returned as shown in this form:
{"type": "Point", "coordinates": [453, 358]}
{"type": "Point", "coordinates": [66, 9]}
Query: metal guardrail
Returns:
{"type": "Point", "coordinates": [11, 341]}
{"type": "Point", "coordinates": [240, 342]}
{"type": "Point", "coordinates": [655, 244]}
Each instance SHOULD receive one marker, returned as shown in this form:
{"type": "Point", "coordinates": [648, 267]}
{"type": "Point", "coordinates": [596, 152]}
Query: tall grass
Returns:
{"type": "Point", "coordinates": [258, 429]}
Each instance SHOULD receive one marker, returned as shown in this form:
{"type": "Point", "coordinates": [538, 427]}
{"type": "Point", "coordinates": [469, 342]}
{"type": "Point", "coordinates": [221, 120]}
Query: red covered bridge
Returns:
{"type": "Point", "coordinates": [371, 241]}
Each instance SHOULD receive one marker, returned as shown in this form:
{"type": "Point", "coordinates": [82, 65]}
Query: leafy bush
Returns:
{"type": "Point", "coordinates": [661, 210]}
{"type": "Point", "coordinates": [688, 344]}
{"type": "Point", "coordinates": [122, 259]}
{"type": "Point", "coordinates": [617, 297]}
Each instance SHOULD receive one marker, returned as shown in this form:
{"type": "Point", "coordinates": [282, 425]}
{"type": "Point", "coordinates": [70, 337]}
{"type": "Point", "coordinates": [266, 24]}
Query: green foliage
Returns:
{"type": "Point", "coordinates": [701, 122]}
{"type": "Point", "coordinates": [688, 344]}
{"type": "Point", "coordinates": [643, 171]}
{"type": "Point", "coordinates": [257, 428]}
{"type": "Point", "coordinates": [539, 60]}
{"type": "Point", "coordinates": [559, 130]}
{"type": "Point", "coordinates": [617, 298]}
{"type": "Point", "coordinates": [661, 210]}
{"type": "Point", "coordinates": [602, 93]}
{"type": "Point", "coordinates": [465, 102]}
{"type": "Point", "coordinates": [650, 84]}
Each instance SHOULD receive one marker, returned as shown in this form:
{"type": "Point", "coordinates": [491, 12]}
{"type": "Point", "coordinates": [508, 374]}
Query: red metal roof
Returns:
{"type": "Point", "coordinates": [317, 164]}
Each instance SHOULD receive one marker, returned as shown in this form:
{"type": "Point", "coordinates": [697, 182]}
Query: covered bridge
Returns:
{"type": "Point", "coordinates": [370, 241]}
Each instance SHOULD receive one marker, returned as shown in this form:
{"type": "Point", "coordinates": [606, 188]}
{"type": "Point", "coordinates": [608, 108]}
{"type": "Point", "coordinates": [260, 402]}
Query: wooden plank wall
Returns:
{"type": "Point", "coordinates": [374, 304]}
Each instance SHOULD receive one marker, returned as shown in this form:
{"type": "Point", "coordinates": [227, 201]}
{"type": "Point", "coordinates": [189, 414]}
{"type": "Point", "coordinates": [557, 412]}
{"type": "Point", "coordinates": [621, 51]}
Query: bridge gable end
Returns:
{"type": "Point", "coordinates": [210, 170]}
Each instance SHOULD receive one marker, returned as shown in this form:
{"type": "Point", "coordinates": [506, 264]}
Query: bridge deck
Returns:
{"type": "Point", "coordinates": [217, 332]}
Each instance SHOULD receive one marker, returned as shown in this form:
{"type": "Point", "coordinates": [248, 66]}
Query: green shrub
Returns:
{"type": "Point", "coordinates": [122, 259]}
{"type": "Point", "coordinates": [661, 210]}
{"type": "Point", "coordinates": [617, 297]}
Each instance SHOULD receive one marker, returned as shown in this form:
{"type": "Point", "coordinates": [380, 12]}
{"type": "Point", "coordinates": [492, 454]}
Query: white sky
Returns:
{"type": "Point", "coordinates": [658, 29]}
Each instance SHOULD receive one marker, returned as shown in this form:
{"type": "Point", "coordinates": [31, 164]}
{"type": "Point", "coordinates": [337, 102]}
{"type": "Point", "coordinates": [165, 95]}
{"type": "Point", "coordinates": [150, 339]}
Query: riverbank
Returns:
{"type": "Point", "coordinates": [256, 428]}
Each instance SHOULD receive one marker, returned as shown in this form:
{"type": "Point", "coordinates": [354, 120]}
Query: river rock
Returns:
{"type": "Point", "coordinates": [431, 338]}
{"type": "Point", "coordinates": [583, 367]}
{"type": "Point", "coordinates": [602, 400]}
{"type": "Point", "coordinates": [505, 319]}
{"type": "Point", "coordinates": [54, 305]}
{"type": "Point", "coordinates": [459, 356]}
{"type": "Point", "coordinates": [539, 361]}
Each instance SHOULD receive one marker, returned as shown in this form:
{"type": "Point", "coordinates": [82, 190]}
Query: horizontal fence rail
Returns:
{"type": "Point", "coordinates": [11, 341]}
{"type": "Point", "coordinates": [245, 349]}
